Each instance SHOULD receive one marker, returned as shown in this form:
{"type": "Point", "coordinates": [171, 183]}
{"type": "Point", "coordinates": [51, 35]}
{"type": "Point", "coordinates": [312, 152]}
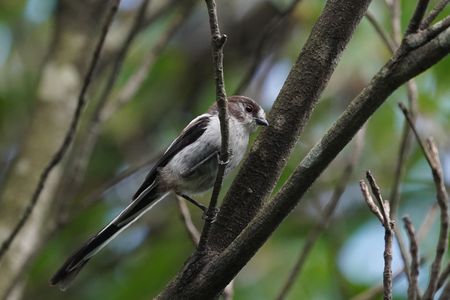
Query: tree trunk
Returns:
{"type": "Point", "coordinates": [56, 97]}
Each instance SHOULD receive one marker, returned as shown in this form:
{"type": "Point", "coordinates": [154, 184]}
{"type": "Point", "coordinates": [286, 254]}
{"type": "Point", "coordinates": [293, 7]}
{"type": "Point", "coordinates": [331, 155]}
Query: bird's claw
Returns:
{"type": "Point", "coordinates": [210, 216]}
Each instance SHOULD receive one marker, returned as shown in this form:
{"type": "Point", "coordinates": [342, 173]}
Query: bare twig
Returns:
{"type": "Point", "coordinates": [382, 204]}
{"type": "Point", "coordinates": [433, 14]}
{"type": "Point", "coordinates": [382, 213]}
{"type": "Point", "coordinates": [58, 156]}
{"type": "Point", "coordinates": [217, 42]}
{"type": "Point", "coordinates": [85, 142]}
{"type": "Point", "coordinates": [323, 223]}
{"type": "Point", "coordinates": [194, 235]}
{"type": "Point", "coordinates": [271, 27]}
{"type": "Point", "coordinates": [404, 149]}
{"type": "Point", "coordinates": [373, 292]}
{"type": "Point", "coordinates": [185, 215]}
{"type": "Point", "coordinates": [390, 44]}
{"type": "Point", "coordinates": [369, 201]}
{"type": "Point", "coordinates": [442, 200]}
{"type": "Point", "coordinates": [413, 287]}
{"type": "Point", "coordinates": [395, 10]}
{"type": "Point", "coordinates": [431, 154]}
{"type": "Point", "coordinates": [427, 222]}
{"type": "Point", "coordinates": [132, 86]}
{"type": "Point", "coordinates": [417, 17]}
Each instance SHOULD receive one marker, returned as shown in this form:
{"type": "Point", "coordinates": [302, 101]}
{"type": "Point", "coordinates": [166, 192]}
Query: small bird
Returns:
{"type": "Point", "coordinates": [188, 167]}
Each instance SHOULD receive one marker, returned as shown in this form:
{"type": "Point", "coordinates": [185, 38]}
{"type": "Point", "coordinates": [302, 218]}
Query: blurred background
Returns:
{"type": "Point", "coordinates": [165, 80]}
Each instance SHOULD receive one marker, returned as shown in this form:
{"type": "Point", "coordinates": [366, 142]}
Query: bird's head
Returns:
{"type": "Point", "coordinates": [247, 111]}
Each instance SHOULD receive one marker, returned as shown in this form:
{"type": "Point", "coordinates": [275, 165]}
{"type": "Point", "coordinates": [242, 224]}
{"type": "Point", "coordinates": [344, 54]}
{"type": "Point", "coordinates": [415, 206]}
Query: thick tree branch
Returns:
{"type": "Point", "coordinates": [58, 156]}
{"type": "Point", "coordinates": [288, 117]}
{"type": "Point", "coordinates": [203, 277]}
{"type": "Point", "coordinates": [396, 72]}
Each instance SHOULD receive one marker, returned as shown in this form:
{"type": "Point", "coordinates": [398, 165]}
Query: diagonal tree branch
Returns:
{"type": "Point", "coordinates": [296, 100]}
{"type": "Point", "coordinates": [431, 154]}
{"type": "Point", "coordinates": [325, 219]}
{"type": "Point", "coordinates": [58, 156]}
{"type": "Point", "coordinates": [234, 242]}
{"type": "Point", "coordinates": [396, 72]}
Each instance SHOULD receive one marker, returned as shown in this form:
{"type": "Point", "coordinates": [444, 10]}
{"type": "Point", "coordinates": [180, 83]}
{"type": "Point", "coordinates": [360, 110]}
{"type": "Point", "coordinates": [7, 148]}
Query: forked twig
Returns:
{"type": "Point", "coordinates": [381, 211]}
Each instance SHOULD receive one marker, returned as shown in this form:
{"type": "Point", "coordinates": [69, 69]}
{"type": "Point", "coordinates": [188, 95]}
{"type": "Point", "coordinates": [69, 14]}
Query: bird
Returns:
{"type": "Point", "coordinates": [187, 167]}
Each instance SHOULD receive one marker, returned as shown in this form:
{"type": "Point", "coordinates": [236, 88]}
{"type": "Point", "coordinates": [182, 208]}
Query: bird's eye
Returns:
{"type": "Point", "coordinates": [248, 109]}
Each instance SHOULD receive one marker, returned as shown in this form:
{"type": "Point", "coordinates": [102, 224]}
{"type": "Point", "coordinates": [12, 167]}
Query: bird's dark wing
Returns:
{"type": "Point", "coordinates": [189, 135]}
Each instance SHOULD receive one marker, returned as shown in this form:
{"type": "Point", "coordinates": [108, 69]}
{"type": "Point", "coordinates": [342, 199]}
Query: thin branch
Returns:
{"type": "Point", "coordinates": [431, 154]}
{"type": "Point", "coordinates": [271, 27]}
{"type": "Point", "coordinates": [185, 215]}
{"type": "Point", "coordinates": [369, 201]}
{"type": "Point", "coordinates": [427, 222]}
{"type": "Point", "coordinates": [442, 200]}
{"type": "Point", "coordinates": [413, 287]}
{"type": "Point", "coordinates": [390, 44]}
{"type": "Point", "coordinates": [132, 86]}
{"type": "Point", "coordinates": [406, 136]}
{"type": "Point", "coordinates": [433, 14]}
{"type": "Point", "coordinates": [388, 224]}
{"type": "Point", "coordinates": [404, 149]}
{"type": "Point", "coordinates": [410, 120]}
{"type": "Point", "coordinates": [395, 10]}
{"type": "Point", "coordinates": [85, 142]}
{"type": "Point", "coordinates": [165, 8]}
{"type": "Point", "coordinates": [58, 156]}
{"type": "Point", "coordinates": [373, 292]}
{"type": "Point", "coordinates": [417, 17]}
{"type": "Point", "coordinates": [324, 221]}
{"type": "Point", "coordinates": [194, 235]}
{"type": "Point", "coordinates": [217, 42]}
{"type": "Point", "coordinates": [382, 204]}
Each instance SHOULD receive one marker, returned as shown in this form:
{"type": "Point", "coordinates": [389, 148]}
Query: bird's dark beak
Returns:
{"type": "Point", "coordinates": [261, 121]}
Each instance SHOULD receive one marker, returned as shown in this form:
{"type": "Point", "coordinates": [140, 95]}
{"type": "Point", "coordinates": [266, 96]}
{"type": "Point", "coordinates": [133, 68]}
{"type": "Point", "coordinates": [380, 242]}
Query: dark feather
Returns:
{"type": "Point", "coordinates": [189, 135]}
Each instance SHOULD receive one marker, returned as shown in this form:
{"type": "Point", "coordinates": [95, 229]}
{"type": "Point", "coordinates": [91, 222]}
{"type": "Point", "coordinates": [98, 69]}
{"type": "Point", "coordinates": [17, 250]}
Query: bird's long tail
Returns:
{"type": "Point", "coordinates": [69, 270]}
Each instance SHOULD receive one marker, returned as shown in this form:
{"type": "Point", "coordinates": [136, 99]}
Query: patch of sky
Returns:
{"type": "Point", "coordinates": [38, 11]}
